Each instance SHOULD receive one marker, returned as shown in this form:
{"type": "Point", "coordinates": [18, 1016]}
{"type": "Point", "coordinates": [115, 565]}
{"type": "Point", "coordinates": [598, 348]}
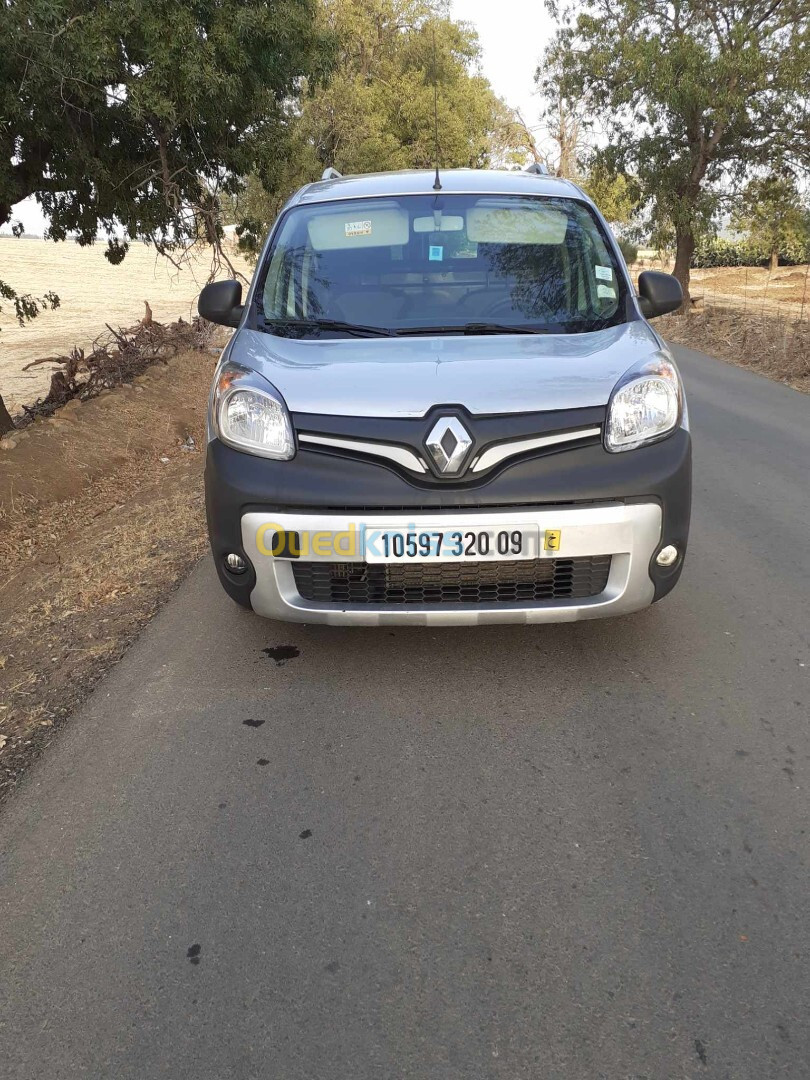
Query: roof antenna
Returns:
{"type": "Point", "coordinates": [437, 184]}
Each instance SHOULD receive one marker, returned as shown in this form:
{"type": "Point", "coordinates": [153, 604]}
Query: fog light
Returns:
{"type": "Point", "coordinates": [667, 555]}
{"type": "Point", "coordinates": [236, 564]}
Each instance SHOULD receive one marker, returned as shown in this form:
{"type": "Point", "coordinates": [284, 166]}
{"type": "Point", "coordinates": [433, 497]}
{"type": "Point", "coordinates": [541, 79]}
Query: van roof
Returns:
{"type": "Point", "coordinates": [420, 182]}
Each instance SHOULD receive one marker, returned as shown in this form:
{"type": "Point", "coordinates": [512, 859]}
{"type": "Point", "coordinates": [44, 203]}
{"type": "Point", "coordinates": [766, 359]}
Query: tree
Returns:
{"type": "Point", "coordinates": [567, 122]}
{"type": "Point", "coordinates": [376, 112]}
{"type": "Point", "coordinates": [616, 194]}
{"type": "Point", "coordinates": [131, 118]}
{"type": "Point", "coordinates": [378, 109]}
{"type": "Point", "coordinates": [692, 93]}
{"type": "Point", "coordinates": [771, 212]}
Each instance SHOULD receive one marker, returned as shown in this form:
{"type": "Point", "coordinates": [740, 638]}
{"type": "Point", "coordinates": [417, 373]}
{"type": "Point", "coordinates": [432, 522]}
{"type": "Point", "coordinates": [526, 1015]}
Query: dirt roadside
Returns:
{"type": "Point", "coordinates": [101, 515]}
{"type": "Point", "coordinates": [748, 316]}
{"type": "Point", "coordinates": [766, 343]}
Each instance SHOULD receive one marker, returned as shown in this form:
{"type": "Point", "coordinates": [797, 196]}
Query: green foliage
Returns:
{"type": "Point", "coordinates": [796, 251]}
{"type": "Point", "coordinates": [141, 114]}
{"type": "Point", "coordinates": [143, 111]}
{"type": "Point", "coordinates": [774, 217]}
{"type": "Point", "coordinates": [26, 306]}
{"type": "Point", "coordinates": [628, 250]}
{"type": "Point", "coordinates": [691, 94]}
{"type": "Point", "coordinates": [616, 194]}
{"type": "Point", "coordinates": [714, 251]}
{"type": "Point", "coordinates": [377, 111]}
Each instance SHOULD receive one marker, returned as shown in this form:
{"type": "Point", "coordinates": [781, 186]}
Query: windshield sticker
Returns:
{"type": "Point", "coordinates": [436, 253]}
{"type": "Point", "coordinates": [358, 228]}
{"type": "Point", "coordinates": [606, 291]}
{"type": "Point", "coordinates": [604, 273]}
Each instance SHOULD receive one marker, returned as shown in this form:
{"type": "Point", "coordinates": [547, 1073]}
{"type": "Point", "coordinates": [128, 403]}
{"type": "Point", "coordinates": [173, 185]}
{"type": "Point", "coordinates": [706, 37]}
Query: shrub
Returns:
{"type": "Point", "coordinates": [715, 251]}
{"type": "Point", "coordinates": [629, 250]}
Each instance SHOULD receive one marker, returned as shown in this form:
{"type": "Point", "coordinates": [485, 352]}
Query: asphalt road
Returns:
{"type": "Point", "coordinates": [553, 852]}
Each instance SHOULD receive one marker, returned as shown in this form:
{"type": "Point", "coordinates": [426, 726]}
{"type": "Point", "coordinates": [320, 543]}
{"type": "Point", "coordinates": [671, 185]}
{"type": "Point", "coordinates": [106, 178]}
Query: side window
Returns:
{"type": "Point", "coordinates": [599, 270]}
{"type": "Point", "coordinates": [276, 285]}
{"type": "Point", "coordinates": [288, 284]}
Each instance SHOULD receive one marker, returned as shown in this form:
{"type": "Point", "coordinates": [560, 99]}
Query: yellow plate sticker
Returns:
{"type": "Point", "coordinates": [552, 539]}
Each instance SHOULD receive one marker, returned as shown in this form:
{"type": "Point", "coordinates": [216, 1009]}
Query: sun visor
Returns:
{"type": "Point", "coordinates": [366, 228]}
{"type": "Point", "coordinates": [516, 225]}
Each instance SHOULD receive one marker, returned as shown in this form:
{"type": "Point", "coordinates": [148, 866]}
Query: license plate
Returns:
{"type": "Point", "coordinates": [440, 543]}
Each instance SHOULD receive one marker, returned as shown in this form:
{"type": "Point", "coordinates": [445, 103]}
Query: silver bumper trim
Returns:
{"type": "Point", "coordinates": [630, 533]}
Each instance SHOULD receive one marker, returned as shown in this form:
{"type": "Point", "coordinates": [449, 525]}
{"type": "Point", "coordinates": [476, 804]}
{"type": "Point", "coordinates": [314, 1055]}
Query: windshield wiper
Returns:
{"type": "Point", "coordinates": [308, 325]}
{"type": "Point", "coordinates": [471, 328]}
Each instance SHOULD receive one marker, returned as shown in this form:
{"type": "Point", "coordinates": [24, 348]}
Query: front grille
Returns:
{"type": "Point", "coordinates": [517, 582]}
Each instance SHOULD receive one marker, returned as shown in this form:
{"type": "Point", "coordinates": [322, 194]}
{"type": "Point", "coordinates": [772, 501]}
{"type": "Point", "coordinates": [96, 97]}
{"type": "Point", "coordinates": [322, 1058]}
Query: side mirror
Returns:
{"type": "Point", "coordinates": [221, 302]}
{"type": "Point", "coordinates": [658, 293]}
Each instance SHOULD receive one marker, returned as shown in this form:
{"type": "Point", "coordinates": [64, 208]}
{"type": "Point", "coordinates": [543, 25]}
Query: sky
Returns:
{"type": "Point", "coordinates": [513, 34]}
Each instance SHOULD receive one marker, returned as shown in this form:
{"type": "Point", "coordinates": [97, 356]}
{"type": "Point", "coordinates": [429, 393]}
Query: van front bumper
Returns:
{"type": "Point", "coordinates": [629, 535]}
{"type": "Point", "coordinates": [626, 506]}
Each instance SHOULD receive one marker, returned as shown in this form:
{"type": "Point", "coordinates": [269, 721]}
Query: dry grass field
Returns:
{"type": "Point", "coordinates": [785, 291]}
{"type": "Point", "coordinates": [92, 293]}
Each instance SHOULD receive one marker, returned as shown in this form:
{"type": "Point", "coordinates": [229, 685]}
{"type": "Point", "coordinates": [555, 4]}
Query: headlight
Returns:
{"type": "Point", "coordinates": [250, 415]}
{"type": "Point", "coordinates": [645, 406]}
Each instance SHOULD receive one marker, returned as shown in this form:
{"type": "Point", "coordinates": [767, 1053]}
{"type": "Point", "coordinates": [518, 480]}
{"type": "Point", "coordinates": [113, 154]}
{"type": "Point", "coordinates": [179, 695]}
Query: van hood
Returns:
{"type": "Point", "coordinates": [406, 377]}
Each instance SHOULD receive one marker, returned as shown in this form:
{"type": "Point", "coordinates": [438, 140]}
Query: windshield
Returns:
{"type": "Point", "coordinates": [440, 264]}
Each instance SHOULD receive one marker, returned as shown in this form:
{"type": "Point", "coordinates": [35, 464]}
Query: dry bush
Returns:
{"type": "Point", "coordinates": [771, 343]}
{"type": "Point", "coordinates": [116, 357]}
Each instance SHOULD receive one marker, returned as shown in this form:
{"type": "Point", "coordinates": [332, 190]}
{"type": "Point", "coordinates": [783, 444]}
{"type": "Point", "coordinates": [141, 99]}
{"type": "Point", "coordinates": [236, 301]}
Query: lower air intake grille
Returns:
{"type": "Point", "coordinates": [519, 582]}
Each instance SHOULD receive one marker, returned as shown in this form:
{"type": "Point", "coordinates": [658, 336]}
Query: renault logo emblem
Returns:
{"type": "Point", "coordinates": [447, 444]}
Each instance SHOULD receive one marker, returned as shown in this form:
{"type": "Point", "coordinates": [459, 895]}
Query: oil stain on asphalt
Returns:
{"type": "Point", "coordinates": [193, 954]}
{"type": "Point", "coordinates": [282, 653]}
{"type": "Point", "coordinates": [253, 723]}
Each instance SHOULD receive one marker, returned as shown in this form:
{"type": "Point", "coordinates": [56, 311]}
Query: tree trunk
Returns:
{"type": "Point", "coordinates": [684, 250]}
{"type": "Point", "coordinates": [775, 260]}
{"type": "Point", "coordinates": [6, 423]}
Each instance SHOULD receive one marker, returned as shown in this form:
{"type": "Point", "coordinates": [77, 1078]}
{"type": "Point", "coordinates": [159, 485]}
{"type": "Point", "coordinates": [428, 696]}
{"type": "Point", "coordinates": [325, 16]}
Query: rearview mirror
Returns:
{"type": "Point", "coordinates": [221, 302]}
{"type": "Point", "coordinates": [445, 223]}
{"type": "Point", "coordinates": [658, 293]}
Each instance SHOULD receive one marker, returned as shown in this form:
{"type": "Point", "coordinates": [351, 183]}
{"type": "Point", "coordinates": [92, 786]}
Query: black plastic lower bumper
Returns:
{"type": "Point", "coordinates": [316, 481]}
